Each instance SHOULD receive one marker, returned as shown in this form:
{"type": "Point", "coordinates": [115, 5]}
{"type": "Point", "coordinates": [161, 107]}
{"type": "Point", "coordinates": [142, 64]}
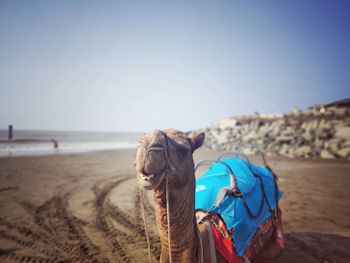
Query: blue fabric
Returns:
{"type": "Point", "coordinates": [232, 209]}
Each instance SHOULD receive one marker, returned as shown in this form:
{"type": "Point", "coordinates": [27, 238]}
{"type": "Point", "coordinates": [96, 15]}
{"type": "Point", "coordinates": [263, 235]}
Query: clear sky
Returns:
{"type": "Point", "coordinates": [141, 65]}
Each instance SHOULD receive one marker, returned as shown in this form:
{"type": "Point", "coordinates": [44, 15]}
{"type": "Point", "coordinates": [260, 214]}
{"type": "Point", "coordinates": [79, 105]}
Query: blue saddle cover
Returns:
{"type": "Point", "coordinates": [232, 209]}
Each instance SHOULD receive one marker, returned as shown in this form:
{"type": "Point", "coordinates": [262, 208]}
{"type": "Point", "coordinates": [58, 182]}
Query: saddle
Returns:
{"type": "Point", "coordinates": [240, 200]}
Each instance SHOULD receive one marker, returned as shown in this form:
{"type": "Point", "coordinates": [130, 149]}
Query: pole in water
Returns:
{"type": "Point", "coordinates": [10, 132]}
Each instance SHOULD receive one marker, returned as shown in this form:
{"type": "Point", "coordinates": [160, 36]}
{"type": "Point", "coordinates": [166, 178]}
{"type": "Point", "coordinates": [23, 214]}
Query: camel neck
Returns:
{"type": "Point", "coordinates": [183, 227]}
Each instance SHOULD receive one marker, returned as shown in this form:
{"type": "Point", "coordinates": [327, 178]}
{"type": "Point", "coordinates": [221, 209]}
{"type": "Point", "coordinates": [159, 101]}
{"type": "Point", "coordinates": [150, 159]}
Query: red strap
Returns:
{"type": "Point", "coordinates": [224, 246]}
{"type": "Point", "coordinates": [280, 241]}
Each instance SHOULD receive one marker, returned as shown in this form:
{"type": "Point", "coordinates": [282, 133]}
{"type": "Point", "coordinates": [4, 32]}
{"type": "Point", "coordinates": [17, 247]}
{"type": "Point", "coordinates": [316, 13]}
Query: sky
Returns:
{"type": "Point", "coordinates": [144, 65]}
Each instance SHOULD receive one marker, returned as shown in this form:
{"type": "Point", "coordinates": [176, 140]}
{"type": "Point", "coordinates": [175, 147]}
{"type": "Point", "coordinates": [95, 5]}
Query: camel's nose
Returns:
{"type": "Point", "coordinates": [150, 157]}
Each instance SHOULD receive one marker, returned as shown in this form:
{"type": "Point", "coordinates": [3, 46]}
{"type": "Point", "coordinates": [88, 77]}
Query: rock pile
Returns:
{"type": "Point", "coordinates": [307, 134]}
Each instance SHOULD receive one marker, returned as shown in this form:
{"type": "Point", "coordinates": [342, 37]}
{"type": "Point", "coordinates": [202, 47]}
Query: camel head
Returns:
{"type": "Point", "coordinates": [166, 153]}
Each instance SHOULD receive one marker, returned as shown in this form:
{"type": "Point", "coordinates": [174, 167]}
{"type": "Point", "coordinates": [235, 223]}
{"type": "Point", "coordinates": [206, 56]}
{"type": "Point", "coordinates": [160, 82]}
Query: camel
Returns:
{"type": "Point", "coordinates": [168, 155]}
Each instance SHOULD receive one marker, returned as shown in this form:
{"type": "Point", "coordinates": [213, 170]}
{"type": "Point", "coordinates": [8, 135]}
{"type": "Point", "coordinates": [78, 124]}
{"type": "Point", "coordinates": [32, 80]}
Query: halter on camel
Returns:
{"type": "Point", "coordinates": [168, 169]}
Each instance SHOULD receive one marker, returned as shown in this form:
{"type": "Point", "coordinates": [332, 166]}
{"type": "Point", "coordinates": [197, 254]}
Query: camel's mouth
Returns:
{"type": "Point", "coordinates": [149, 181]}
{"type": "Point", "coordinates": [147, 177]}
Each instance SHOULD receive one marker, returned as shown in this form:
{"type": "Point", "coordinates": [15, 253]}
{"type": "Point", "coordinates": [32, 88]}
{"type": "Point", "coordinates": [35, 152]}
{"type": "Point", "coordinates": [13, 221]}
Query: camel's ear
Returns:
{"type": "Point", "coordinates": [197, 140]}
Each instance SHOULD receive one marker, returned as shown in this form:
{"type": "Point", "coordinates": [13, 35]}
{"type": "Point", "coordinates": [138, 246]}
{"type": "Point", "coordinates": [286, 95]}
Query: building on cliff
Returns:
{"type": "Point", "coordinates": [345, 103]}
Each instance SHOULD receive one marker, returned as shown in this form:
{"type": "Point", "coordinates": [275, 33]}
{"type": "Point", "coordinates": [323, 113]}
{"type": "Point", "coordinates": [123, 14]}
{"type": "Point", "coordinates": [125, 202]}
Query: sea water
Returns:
{"type": "Point", "coordinates": [31, 142]}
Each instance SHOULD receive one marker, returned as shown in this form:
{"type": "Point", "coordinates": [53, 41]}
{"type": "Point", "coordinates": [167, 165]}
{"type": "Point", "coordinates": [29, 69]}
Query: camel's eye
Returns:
{"type": "Point", "coordinates": [157, 145]}
{"type": "Point", "coordinates": [182, 151]}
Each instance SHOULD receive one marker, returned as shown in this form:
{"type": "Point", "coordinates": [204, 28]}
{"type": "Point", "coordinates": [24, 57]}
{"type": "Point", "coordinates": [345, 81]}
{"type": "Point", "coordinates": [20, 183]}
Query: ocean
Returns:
{"type": "Point", "coordinates": [31, 142]}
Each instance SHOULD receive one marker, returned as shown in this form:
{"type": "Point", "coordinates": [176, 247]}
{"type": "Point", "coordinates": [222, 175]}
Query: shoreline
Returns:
{"type": "Point", "coordinates": [48, 152]}
{"type": "Point", "coordinates": [41, 142]}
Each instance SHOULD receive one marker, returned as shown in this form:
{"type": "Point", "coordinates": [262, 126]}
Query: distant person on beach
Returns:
{"type": "Point", "coordinates": [55, 143]}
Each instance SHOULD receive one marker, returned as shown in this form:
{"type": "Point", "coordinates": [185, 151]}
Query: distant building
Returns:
{"type": "Point", "coordinates": [345, 103]}
{"type": "Point", "coordinates": [339, 103]}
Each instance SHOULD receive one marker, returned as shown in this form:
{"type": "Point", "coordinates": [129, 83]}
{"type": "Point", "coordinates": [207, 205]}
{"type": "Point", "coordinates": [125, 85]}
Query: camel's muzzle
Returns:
{"type": "Point", "coordinates": [152, 162]}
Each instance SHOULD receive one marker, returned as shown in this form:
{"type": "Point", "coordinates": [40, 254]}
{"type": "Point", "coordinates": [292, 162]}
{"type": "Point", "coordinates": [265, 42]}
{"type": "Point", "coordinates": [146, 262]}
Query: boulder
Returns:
{"type": "Point", "coordinates": [307, 136]}
{"type": "Point", "coordinates": [288, 131]}
{"type": "Point", "coordinates": [227, 123]}
{"type": "Point", "coordinates": [319, 144]}
{"type": "Point", "coordinates": [249, 151]}
{"type": "Point", "coordinates": [346, 144]}
{"type": "Point", "coordinates": [344, 153]}
{"type": "Point", "coordinates": [307, 126]}
{"type": "Point", "coordinates": [275, 131]}
{"type": "Point", "coordinates": [285, 138]}
{"type": "Point", "coordinates": [313, 125]}
{"type": "Point", "coordinates": [291, 153]}
{"type": "Point", "coordinates": [325, 125]}
{"type": "Point", "coordinates": [327, 155]}
{"type": "Point", "coordinates": [284, 150]}
{"type": "Point", "coordinates": [221, 139]}
{"type": "Point", "coordinates": [304, 151]}
{"type": "Point", "coordinates": [343, 132]}
{"type": "Point", "coordinates": [324, 134]}
{"type": "Point", "coordinates": [263, 130]}
{"type": "Point", "coordinates": [251, 136]}
{"type": "Point", "coordinates": [334, 144]}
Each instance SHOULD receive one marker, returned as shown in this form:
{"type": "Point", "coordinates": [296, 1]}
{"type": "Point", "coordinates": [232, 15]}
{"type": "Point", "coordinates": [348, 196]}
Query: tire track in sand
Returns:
{"type": "Point", "coordinates": [101, 222]}
{"type": "Point", "coordinates": [55, 234]}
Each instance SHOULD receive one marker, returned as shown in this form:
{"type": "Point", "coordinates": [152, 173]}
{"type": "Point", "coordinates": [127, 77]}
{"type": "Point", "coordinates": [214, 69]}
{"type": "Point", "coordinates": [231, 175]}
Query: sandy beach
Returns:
{"type": "Point", "coordinates": [86, 208]}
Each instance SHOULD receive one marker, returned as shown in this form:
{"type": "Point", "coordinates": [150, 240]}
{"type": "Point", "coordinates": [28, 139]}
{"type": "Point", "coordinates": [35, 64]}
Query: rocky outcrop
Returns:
{"type": "Point", "coordinates": [306, 134]}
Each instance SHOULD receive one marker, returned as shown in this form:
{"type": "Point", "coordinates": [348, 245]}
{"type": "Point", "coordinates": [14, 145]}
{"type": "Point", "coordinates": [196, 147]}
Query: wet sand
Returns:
{"type": "Point", "coordinates": [86, 208]}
